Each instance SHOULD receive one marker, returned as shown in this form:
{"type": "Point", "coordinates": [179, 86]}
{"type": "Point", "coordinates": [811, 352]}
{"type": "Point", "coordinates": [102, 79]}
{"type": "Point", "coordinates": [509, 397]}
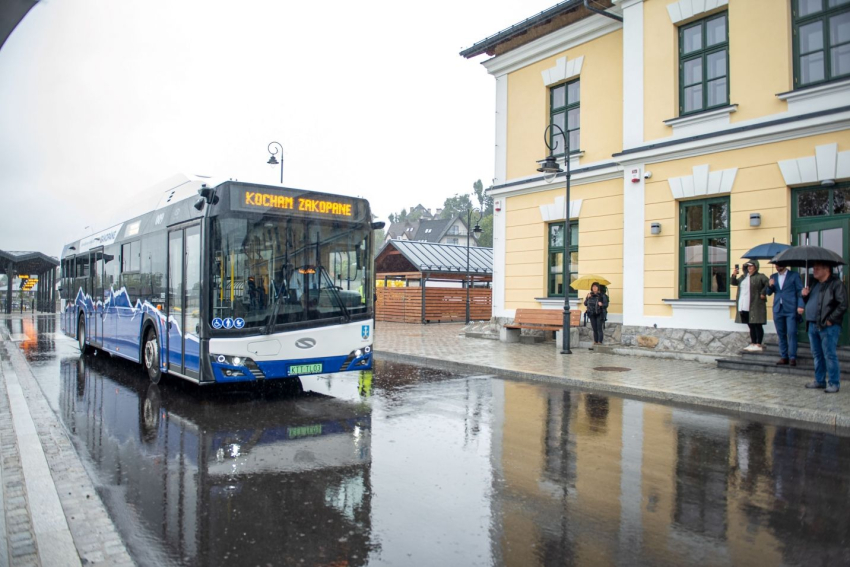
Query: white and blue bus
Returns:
{"type": "Point", "coordinates": [227, 282]}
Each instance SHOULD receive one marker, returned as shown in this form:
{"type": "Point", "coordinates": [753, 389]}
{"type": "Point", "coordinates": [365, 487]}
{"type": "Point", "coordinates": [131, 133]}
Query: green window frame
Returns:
{"type": "Point", "coordinates": [821, 41]}
{"type": "Point", "coordinates": [555, 233]}
{"type": "Point", "coordinates": [816, 202]}
{"type": "Point", "coordinates": [564, 110]}
{"type": "Point", "coordinates": [704, 248]}
{"type": "Point", "coordinates": [704, 64]}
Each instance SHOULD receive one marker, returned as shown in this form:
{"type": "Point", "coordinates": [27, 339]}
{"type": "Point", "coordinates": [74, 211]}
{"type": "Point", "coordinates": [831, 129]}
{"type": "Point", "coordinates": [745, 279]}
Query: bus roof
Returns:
{"type": "Point", "coordinates": [164, 195]}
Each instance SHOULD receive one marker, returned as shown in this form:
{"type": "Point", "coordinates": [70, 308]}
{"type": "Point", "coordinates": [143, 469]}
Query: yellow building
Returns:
{"type": "Point", "coordinates": [698, 129]}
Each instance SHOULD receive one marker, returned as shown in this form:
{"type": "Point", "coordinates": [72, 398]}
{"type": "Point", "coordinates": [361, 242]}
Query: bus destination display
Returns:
{"type": "Point", "coordinates": [248, 200]}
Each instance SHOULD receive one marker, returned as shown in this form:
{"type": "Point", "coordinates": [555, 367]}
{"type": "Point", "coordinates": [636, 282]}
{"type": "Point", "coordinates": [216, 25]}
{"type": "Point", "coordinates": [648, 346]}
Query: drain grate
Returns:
{"type": "Point", "coordinates": [612, 369]}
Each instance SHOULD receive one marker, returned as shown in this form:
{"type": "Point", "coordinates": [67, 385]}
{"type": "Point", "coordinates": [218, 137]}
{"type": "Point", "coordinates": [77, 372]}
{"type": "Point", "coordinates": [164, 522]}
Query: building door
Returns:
{"type": "Point", "coordinates": [832, 234]}
{"type": "Point", "coordinates": [184, 297]}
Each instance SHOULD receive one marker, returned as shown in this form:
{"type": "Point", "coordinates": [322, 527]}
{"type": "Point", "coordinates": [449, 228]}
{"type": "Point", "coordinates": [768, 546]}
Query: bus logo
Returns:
{"type": "Point", "coordinates": [305, 343]}
{"type": "Point", "coordinates": [364, 332]}
{"type": "Point", "coordinates": [217, 323]}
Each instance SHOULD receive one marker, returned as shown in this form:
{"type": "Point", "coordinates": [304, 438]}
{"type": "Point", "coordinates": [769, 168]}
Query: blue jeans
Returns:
{"type": "Point", "coordinates": [786, 330]}
{"type": "Point", "coordinates": [824, 343]}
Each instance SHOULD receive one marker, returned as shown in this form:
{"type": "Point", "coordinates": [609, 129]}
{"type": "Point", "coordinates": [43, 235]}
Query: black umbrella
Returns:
{"type": "Point", "coordinates": [802, 256]}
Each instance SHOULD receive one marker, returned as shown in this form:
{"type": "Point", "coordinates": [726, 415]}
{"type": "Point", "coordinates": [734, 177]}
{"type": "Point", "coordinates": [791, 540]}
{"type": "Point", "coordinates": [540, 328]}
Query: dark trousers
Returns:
{"type": "Point", "coordinates": [597, 321]}
{"type": "Point", "coordinates": [786, 330]}
{"type": "Point", "coordinates": [756, 329]}
{"type": "Point", "coordinates": [824, 342]}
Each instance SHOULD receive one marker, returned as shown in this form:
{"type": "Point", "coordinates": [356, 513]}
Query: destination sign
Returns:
{"type": "Point", "coordinates": [267, 200]}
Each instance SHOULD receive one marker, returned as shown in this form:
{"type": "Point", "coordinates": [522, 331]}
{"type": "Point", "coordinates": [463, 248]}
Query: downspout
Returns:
{"type": "Point", "coordinates": [602, 12]}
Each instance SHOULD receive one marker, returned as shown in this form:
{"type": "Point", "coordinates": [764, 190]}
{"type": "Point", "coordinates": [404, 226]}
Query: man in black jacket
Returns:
{"type": "Point", "coordinates": [826, 303]}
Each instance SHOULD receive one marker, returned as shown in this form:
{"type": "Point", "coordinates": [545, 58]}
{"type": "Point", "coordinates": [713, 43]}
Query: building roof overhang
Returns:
{"type": "Point", "coordinates": [538, 25]}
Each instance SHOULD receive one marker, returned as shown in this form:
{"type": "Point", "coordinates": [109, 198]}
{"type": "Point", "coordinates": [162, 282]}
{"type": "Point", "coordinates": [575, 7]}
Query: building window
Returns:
{"type": "Point", "coordinates": [564, 112]}
{"type": "Point", "coordinates": [555, 273]}
{"type": "Point", "coordinates": [821, 41]}
{"type": "Point", "coordinates": [704, 64]}
{"type": "Point", "coordinates": [704, 248]}
{"type": "Point", "coordinates": [453, 240]}
{"type": "Point", "coordinates": [821, 202]}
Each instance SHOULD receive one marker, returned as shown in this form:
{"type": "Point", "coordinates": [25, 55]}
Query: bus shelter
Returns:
{"type": "Point", "coordinates": [37, 271]}
{"type": "Point", "coordinates": [427, 282]}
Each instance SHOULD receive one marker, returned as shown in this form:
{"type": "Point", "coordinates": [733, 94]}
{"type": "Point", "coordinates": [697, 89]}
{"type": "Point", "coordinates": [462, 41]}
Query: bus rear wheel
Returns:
{"type": "Point", "coordinates": [150, 357]}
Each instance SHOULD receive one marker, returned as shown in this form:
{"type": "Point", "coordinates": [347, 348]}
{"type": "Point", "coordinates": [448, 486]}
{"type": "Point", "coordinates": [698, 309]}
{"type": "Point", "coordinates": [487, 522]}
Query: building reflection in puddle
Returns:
{"type": "Point", "coordinates": [586, 479]}
{"type": "Point", "coordinates": [225, 477]}
{"type": "Point", "coordinates": [467, 470]}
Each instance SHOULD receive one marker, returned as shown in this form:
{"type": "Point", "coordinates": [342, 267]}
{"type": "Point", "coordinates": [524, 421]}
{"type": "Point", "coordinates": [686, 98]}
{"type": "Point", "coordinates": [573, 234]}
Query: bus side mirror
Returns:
{"type": "Point", "coordinates": [377, 225]}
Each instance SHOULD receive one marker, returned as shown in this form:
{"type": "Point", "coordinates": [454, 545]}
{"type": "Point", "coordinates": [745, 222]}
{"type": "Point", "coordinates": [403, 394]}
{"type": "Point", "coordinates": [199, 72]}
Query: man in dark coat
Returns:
{"type": "Point", "coordinates": [787, 306]}
{"type": "Point", "coordinates": [826, 303]}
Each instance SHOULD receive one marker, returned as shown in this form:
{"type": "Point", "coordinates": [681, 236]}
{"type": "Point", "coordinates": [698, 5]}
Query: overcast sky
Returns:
{"type": "Point", "coordinates": [102, 99]}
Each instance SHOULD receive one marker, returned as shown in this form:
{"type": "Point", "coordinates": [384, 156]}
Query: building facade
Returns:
{"type": "Point", "coordinates": [697, 130]}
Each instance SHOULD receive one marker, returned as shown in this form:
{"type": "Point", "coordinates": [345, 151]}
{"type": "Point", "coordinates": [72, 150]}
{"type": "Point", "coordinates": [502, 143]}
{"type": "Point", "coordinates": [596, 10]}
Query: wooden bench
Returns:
{"type": "Point", "coordinates": [540, 319]}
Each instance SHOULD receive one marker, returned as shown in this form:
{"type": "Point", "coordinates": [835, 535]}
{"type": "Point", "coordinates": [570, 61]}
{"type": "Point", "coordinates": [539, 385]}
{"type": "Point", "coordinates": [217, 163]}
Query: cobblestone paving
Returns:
{"type": "Point", "coordinates": [673, 380]}
{"type": "Point", "coordinates": [20, 538]}
{"type": "Point", "coordinates": [95, 537]}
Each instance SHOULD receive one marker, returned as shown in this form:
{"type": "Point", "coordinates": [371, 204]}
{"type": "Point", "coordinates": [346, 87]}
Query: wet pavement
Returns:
{"type": "Point", "coordinates": [408, 465]}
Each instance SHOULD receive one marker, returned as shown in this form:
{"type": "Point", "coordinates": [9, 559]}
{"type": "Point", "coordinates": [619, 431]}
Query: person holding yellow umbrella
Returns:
{"type": "Point", "coordinates": [596, 302]}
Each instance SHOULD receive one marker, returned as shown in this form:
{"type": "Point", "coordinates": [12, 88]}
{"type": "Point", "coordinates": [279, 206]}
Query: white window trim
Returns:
{"type": "Point", "coordinates": [555, 211]}
{"type": "Point", "coordinates": [827, 163]}
{"type": "Point", "coordinates": [563, 70]}
{"type": "Point", "coordinates": [702, 123]}
{"type": "Point", "coordinates": [702, 183]}
{"type": "Point", "coordinates": [819, 97]}
{"type": "Point", "coordinates": [687, 9]}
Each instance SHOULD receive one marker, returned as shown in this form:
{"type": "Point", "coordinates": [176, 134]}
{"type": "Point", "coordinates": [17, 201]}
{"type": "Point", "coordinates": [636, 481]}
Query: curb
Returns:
{"type": "Point", "coordinates": [90, 531]}
{"type": "Point", "coordinates": [831, 419]}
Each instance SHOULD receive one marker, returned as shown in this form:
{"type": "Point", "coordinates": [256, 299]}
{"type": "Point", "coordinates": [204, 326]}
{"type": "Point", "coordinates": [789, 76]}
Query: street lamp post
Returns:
{"type": "Point", "coordinates": [477, 231]}
{"type": "Point", "coordinates": [550, 169]}
{"type": "Point", "coordinates": [274, 149]}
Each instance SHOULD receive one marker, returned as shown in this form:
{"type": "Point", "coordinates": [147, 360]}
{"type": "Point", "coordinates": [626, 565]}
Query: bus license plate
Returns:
{"type": "Point", "coordinates": [305, 369]}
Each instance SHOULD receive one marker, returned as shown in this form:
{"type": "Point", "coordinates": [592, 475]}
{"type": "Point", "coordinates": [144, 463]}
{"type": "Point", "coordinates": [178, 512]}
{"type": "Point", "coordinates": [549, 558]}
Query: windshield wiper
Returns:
{"type": "Point", "coordinates": [276, 308]}
{"type": "Point", "coordinates": [335, 291]}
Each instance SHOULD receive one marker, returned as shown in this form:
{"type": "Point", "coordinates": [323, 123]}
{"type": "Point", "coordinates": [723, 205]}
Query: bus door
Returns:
{"type": "Point", "coordinates": [94, 316]}
{"type": "Point", "coordinates": [184, 300]}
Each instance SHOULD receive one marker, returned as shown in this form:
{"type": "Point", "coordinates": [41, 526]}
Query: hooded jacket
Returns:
{"type": "Point", "coordinates": [758, 287]}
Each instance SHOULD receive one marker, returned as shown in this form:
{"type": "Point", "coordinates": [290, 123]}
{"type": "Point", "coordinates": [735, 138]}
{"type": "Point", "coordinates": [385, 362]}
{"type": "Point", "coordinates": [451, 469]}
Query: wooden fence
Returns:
{"type": "Point", "coordinates": [404, 304]}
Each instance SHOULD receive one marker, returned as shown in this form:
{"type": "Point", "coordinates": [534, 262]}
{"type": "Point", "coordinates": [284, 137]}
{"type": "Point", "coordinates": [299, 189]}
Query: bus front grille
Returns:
{"type": "Point", "coordinates": [255, 370]}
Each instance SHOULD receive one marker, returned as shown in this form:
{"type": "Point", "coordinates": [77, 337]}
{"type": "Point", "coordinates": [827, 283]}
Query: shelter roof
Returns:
{"type": "Point", "coordinates": [11, 14]}
{"type": "Point", "coordinates": [443, 258]}
{"type": "Point", "coordinates": [26, 262]}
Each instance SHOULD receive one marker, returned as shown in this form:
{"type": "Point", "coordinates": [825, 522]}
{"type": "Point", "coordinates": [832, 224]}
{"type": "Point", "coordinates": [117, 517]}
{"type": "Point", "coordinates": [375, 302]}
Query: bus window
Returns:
{"type": "Point", "coordinates": [294, 269]}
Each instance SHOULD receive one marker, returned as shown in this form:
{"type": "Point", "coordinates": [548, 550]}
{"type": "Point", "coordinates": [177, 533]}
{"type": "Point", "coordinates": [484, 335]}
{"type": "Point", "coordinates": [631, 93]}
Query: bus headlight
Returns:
{"type": "Point", "coordinates": [358, 353]}
{"type": "Point", "coordinates": [230, 360]}
{"type": "Point", "coordinates": [367, 350]}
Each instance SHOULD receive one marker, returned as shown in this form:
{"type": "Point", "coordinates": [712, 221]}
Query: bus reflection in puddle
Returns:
{"type": "Point", "coordinates": [226, 476]}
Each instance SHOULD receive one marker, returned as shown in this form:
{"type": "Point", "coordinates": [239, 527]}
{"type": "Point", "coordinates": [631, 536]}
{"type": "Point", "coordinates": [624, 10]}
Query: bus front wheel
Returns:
{"type": "Point", "coordinates": [81, 335]}
{"type": "Point", "coordinates": [151, 357]}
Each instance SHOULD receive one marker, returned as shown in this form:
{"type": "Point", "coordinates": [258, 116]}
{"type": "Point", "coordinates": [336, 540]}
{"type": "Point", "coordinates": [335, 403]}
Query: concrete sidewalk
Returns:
{"type": "Point", "coordinates": [696, 383]}
{"type": "Point", "coordinates": [52, 514]}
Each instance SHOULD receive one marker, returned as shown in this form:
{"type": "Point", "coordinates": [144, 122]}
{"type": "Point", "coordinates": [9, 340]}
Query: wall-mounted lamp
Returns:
{"type": "Point", "coordinates": [755, 219]}
{"type": "Point", "coordinates": [655, 228]}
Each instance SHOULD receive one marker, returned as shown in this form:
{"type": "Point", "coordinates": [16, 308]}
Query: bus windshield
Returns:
{"type": "Point", "coordinates": [270, 270]}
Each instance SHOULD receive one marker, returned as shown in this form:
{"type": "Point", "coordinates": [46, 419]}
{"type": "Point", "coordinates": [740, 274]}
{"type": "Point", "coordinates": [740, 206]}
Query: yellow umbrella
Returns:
{"type": "Point", "coordinates": [584, 282]}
